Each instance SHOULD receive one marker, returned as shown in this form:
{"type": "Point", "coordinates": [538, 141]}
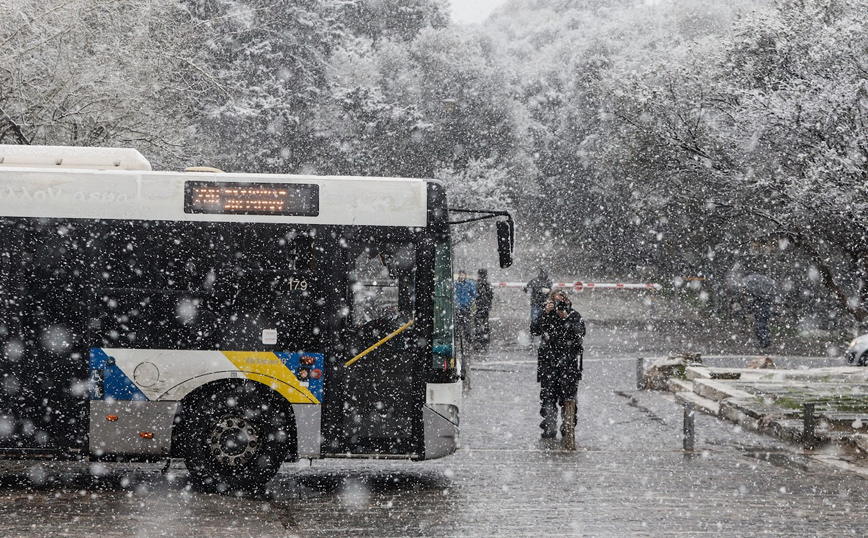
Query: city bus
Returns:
{"type": "Point", "coordinates": [236, 321]}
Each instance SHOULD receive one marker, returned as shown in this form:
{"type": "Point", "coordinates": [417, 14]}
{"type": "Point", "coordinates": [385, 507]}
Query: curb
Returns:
{"type": "Point", "coordinates": [771, 402]}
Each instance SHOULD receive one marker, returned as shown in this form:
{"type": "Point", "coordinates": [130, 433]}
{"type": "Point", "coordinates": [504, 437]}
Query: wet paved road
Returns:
{"type": "Point", "coordinates": [628, 477]}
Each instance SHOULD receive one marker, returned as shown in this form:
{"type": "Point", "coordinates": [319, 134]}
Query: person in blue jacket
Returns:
{"type": "Point", "coordinates": [465, 295]}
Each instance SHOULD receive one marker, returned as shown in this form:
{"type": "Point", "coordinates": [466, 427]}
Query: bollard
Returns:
{"type": "Point", "coordinates": [570, 424]}
{"type": "Point", "coordinates": [640, 373]}
{"type": "Point", "coordinates": [809, 440]}
{"type": "Point", "coordinates": [465, 361]}
{"type": "Point", "coordinates": [689, 432]}
{"type": "Point", "coordinates": [465, 364]}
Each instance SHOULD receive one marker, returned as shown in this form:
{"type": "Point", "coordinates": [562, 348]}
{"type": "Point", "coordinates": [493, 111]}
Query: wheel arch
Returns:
{"type": "Point", "coordinates": [200, 396]}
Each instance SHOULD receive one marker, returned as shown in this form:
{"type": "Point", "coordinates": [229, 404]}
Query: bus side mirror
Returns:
{"type": "Point", "coordinates": [505, 241]}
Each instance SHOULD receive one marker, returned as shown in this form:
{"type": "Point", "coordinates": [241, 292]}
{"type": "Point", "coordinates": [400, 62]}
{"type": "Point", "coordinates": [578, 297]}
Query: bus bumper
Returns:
{"type": "Point", "coordinates": [441, 435]}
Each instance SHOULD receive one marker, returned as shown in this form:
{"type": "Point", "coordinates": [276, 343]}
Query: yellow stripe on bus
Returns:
{"type": "Point", "coordinates": [267, 368]}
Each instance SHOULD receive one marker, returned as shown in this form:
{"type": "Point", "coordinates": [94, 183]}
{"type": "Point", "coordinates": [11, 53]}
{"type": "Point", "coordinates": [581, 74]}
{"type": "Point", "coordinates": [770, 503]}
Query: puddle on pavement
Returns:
{"type": "Point", "coordinates": [633, 402]}
{"type": "Point", "coordinates": [783, 460]}
{"type": "Point", "coordinates": [330, 482]}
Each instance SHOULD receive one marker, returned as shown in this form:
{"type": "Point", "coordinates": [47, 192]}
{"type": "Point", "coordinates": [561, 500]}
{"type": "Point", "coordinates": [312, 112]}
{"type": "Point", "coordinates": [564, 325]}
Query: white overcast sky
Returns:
{"type": "Point", "coordinates": [471, 11]}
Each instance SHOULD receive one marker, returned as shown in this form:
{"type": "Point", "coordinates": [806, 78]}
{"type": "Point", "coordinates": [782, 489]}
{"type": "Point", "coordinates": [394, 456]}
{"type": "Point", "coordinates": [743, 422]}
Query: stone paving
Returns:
{"type": "Point", "coordinates": [628, 476]}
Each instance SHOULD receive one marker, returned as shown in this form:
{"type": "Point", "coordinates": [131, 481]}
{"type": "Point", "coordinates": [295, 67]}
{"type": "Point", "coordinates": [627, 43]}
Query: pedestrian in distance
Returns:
{"type": "Point", "coordinates": [538, 287]}
{"type": "Point", "coordinates": [484, 299]}
{"type": "Point", "coordinates": [465, 295]}
{"type": "Point", "coordinates": [760, 291]}
{"type": "Point", "coordinates": [559, 362]}
{"type": "Point", "coordinates": [762, 313]}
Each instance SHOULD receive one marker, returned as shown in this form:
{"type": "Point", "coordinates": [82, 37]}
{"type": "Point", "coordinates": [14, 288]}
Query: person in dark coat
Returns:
{"type": "Point", "coordinates": [762, 313]}
{"type": "Point", "coordinates": [484, 298]}
{"type": "Point", "coordinates": [760, 291]}
{"type": "Point", "coordinates": [559, 363]}
{"type": "Point", "coordinates": [539, 287]}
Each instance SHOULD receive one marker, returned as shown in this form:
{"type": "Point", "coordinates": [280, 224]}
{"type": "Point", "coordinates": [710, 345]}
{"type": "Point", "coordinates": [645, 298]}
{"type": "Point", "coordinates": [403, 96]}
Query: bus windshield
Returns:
{"type": "Point", "coordinates": [444, 358]}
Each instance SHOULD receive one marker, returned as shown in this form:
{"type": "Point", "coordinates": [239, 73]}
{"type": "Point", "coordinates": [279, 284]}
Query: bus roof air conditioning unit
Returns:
{"type": "Point", "coordinates": [73, 157]}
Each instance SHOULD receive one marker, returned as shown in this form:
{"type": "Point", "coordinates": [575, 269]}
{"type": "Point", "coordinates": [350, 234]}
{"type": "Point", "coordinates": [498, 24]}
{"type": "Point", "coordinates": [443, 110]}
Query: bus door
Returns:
{"type": "Point", "coordinates": [380, 397]}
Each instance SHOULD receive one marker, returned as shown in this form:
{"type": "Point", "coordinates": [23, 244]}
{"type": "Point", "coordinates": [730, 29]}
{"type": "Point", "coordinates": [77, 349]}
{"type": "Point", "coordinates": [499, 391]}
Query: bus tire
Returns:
{"type": "Point", "coordinates": [237, 438]}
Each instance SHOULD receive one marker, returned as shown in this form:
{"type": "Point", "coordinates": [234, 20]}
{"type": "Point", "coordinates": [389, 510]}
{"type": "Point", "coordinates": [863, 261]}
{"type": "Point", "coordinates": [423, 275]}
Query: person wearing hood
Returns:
{"type": "Point", "coordinates": [484, 298]}
{"type": "Point", "coordinates": [559, 362]}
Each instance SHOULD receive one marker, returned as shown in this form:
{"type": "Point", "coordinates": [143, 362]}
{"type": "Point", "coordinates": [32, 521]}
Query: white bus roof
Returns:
{"type": "Point", "coordinates": [73, 157]}
{"type": "Point", "coordinates": [59, 192]}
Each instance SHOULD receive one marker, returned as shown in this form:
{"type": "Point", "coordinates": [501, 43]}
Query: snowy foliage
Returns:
{"type": "Point", "coordinates": [439, 107]}
{"type": "Point", "coordinates": [90, 73]}
{"type": "Point", "coordinates": [680, 137]}
{"type": "Point", "coordinates": [263, 66]}
{"type": "Point", "coordinates": [767, 132]}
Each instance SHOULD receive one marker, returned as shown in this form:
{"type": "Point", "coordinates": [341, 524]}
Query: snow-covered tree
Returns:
{"type": "Point", "coordinates": [394, 19]}
{"type": "Point", "coordinates": [438, 106]}
{"type": "Point", "coordinates": [91, 72]}
{"type": "Point", "coordinates": [574, 61]}
{"type": "Point", "coordinates": [262, 68]}
{"type": "Point", "coordinates": [761, 142]}
{"type": "Point", "coordinates": [797, 82]}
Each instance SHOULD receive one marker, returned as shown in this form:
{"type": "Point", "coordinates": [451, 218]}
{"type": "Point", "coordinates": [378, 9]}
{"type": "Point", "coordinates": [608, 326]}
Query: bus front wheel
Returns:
{"type": "Point", "coordinates": [236, 439]}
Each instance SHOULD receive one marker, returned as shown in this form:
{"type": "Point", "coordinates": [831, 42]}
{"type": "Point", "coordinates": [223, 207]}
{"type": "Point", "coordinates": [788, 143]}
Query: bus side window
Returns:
{"type": "Point", "coordinates": [274, 288]}
{"type": "Point", "coordinates": [153, 285]}
{"type": "Point", "coordinates": [382, 292]}
{"type": "Point", "coordinates": [374, 291]}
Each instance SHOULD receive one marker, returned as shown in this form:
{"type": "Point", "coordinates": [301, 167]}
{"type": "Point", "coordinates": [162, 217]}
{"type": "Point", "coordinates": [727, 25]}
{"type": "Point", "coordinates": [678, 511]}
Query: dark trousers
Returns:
{"type": "Point", "coordinates": [482, 328]}
{"type": "Point", "coordinates": [762, 313]}
{"type": "Point", "coordinates": [462, 326]}
{"type": "Point", "coordinates": [763, 335]}
{"type": "Point", "coordinates": [535, 311]}
{"type": "Point", "coordinates": [555, 387]}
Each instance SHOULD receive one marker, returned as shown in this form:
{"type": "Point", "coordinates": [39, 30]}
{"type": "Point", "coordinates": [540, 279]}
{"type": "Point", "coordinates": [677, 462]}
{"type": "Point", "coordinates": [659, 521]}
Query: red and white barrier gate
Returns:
{"type": "Point", "coordinates": [580, 286]}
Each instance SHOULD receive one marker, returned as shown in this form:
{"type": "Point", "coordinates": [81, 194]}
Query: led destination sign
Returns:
{"type": "Point", "coordinates": [286, 199]}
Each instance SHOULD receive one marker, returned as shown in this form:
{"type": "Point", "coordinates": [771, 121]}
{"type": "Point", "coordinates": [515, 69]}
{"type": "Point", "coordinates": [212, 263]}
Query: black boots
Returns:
{"type": "Point", "coordinates": [549, 422]}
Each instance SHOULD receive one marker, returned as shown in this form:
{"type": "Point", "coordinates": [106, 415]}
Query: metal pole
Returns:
{"type": "Point", "coordinates": [809, 440]}
{"type": "Point", "coordinates": [570, 424]}
{"type": "Point", "coordinates": [677, 291]}
{"type": "Point", "coordinates": [689, 431]}
{"type": "Point", "coordinates": [465, 361]}
{"type": "Point", "coordinates": [640, 373]}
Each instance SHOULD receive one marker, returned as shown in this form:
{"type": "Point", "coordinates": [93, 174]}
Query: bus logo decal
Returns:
{"type": "Point", "coordinates": [108, 381]}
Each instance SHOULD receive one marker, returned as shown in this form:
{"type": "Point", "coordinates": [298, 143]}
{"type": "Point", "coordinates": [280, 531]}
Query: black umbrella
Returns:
{"type": "Point", "coordinates": [760, 286]}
